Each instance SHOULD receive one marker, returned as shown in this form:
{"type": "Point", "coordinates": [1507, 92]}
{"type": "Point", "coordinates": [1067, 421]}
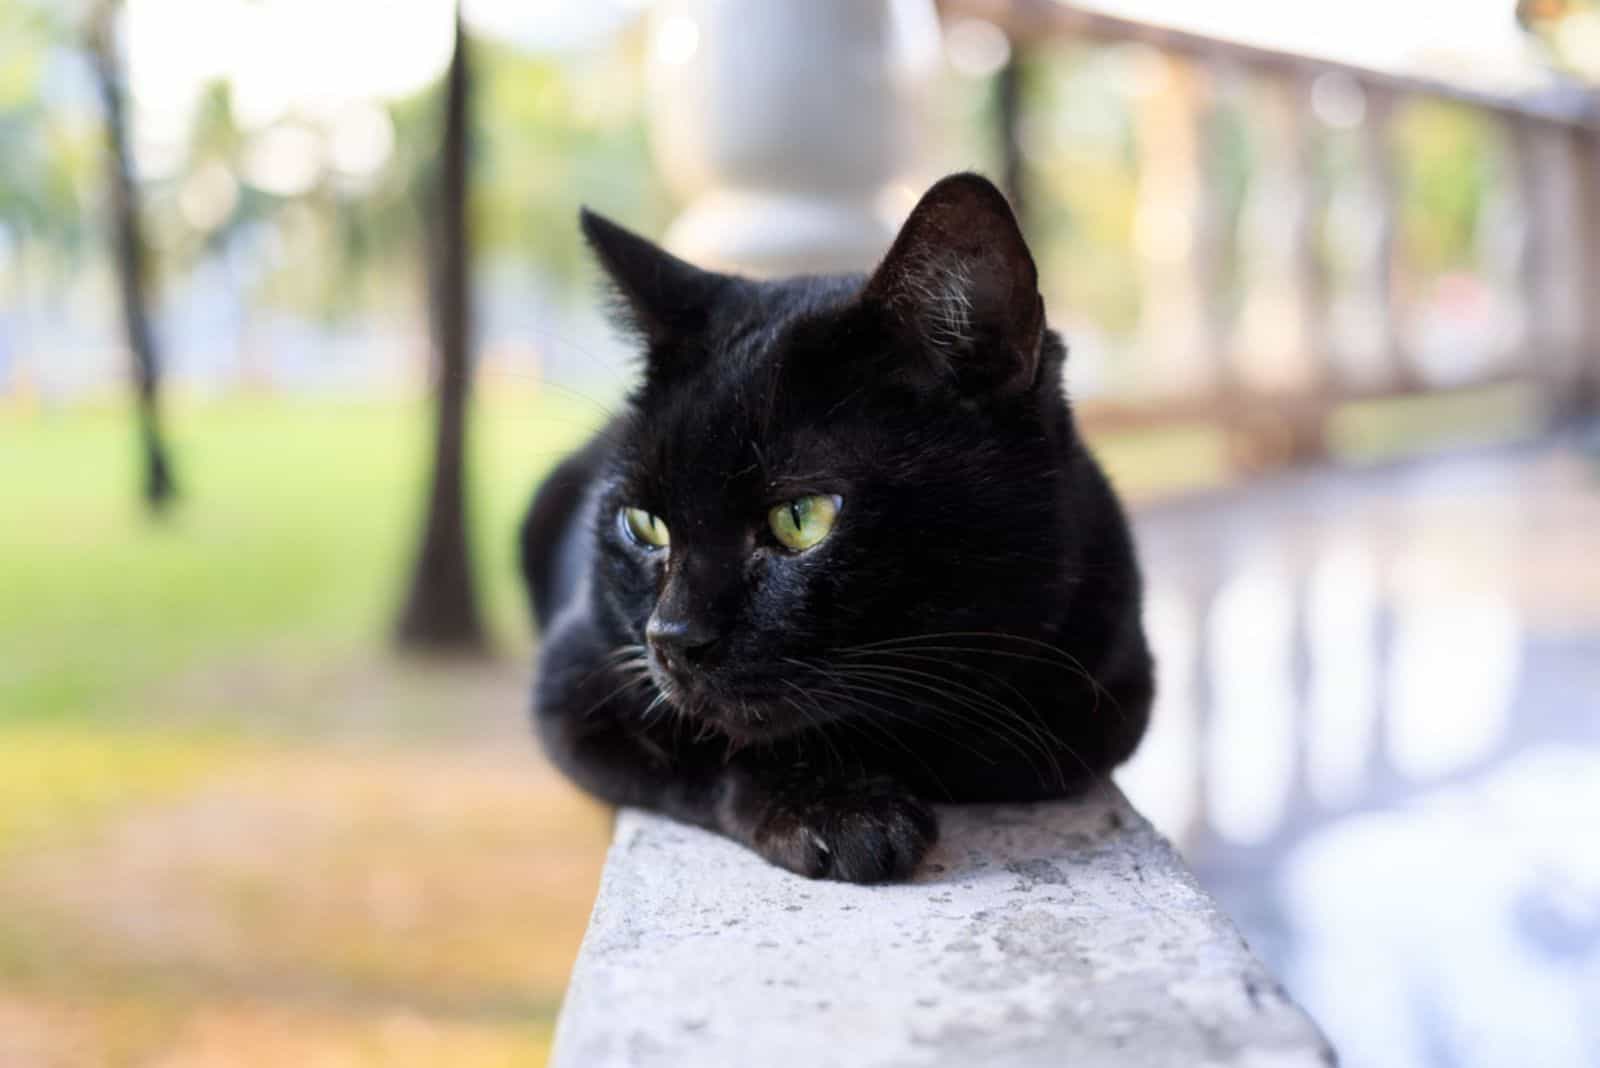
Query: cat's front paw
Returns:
{"type": "Point", "coordinates": [866, 831]}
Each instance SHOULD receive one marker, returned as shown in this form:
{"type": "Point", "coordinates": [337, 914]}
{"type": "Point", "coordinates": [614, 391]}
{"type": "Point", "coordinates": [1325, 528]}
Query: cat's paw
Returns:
{"type": "Point", "coordinates": [866, 831]}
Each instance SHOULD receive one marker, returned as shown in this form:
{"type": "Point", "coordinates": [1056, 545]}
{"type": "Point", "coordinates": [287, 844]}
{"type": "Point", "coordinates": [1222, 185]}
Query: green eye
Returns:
{"type": "Point", "coordinates": [803, 522]}
{"type": "Point", "coordinates": [645, 529]}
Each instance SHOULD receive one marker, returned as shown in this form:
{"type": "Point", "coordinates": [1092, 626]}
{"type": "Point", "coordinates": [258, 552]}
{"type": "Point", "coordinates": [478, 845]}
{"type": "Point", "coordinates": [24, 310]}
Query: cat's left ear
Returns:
{"type": "Point", "coordinates": [960, 279]}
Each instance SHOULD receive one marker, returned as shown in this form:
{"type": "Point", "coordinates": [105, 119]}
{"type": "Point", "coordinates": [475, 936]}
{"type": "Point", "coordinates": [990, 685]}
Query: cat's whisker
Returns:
{"type": "Point", "coordinates": [1020, 734]}
{"type": "Point", "coordinates": [1095, 777]}
{"type": "Point", "coordinates": [853, 683]}
{"type": "Point", "coordinates": [1036, 725]}
{"type": "Point", "coordinates": [814, 718]}
{"type": "Point", "coordinates": [1021, 731]}
{"type": "Point", "coordinates": [919, 643]}
{"type": "Point", "coordinates": [610, 664]}
{"type": "Point", "coordinates": [656, 702]}
{"type": "Point", "coordinates": [860, 725]}
{"type": "Point", "coordinates": [961, 665]}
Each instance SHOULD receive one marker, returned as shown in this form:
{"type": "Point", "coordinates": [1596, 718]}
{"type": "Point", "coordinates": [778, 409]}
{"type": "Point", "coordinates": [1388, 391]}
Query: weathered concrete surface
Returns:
{"type": "Point", "coordinates": [1062, 934]}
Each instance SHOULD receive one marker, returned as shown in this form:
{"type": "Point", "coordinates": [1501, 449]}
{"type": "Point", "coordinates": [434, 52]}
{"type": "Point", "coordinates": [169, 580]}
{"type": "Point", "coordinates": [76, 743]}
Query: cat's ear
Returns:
{"type": "Point", "coordinates": [960, 280]}
{"type": "Point", "coordinates": [659, 296]}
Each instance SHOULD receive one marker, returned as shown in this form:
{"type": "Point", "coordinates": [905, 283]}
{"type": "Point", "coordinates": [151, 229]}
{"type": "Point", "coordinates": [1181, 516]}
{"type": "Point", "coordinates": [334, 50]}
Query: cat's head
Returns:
{"type": "Point", "coordinates": [814, 464]}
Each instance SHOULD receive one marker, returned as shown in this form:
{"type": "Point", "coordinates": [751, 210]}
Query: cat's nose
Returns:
{"type": "Point", "coordinates": [679, 642]}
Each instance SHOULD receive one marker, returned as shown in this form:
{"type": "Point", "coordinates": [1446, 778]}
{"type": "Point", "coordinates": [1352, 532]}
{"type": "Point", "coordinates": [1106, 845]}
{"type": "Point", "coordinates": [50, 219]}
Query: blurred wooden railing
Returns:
{"type": "Point", "coordinates": [1273, 398]}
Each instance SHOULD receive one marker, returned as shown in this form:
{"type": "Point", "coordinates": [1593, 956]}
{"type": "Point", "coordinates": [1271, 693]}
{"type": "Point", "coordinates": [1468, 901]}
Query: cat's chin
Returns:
{"type": "Point", "coordinates": [749, 724]}
{"type": "Point", "coordinates": [745, 718]}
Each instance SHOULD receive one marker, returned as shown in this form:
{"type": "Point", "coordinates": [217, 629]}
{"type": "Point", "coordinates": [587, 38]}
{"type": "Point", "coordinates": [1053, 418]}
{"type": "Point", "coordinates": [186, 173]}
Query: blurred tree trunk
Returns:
{"type": "Point", "coordinates": [441, 611]}
{"type": "Point", "coordinates": [128, 257]}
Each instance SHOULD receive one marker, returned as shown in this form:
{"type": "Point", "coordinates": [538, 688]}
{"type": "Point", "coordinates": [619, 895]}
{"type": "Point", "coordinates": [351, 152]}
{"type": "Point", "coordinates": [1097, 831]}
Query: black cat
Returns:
{"type": "Point", "coordinates": [842, 555]}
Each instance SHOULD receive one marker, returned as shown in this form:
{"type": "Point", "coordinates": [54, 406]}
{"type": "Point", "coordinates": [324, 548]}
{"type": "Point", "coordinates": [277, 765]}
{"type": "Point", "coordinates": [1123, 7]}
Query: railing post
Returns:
{"type": "Point", "coordinates": [1559, 186]}
{"type": "Point", "coordinates": [1174, 234]}
{"type": "Point", "coordinates": [1382, 198]}
{"type": "Point", "coordinates": [1538, 274]}
{"type": "Point", "coordinates": [1586, 146]}
{"type": "Point", "coordinates": [1284, 352]}
{"type": "Point", "coordinates": [1214, 237]}
{"type": "Point", "coordinates": [791, 131]}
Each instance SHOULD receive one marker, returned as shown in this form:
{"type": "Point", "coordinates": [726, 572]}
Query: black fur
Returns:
{"type": "Point", "coordinates": [970, 631]}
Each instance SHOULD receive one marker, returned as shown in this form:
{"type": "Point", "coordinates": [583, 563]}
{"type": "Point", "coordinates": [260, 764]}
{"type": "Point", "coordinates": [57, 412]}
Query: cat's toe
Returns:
{"type": "Point", "coordinates": [882, 840]}
{"type": "Point", "coordinates": [795, 845]}
{"type": "Point", "coordinates": [867, 835]}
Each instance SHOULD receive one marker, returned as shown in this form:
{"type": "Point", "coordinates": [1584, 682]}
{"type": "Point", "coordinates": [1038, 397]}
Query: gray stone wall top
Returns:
{"type": "Point", "coordinates": [1061, 934]}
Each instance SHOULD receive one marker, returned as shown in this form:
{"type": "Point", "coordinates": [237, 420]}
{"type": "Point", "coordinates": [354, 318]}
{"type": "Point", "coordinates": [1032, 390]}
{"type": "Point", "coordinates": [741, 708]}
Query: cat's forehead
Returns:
{"type": "Point", "coordinates": [722, 420]}
{"type": "Point", "coordinates": [755, 357]}
{"type": "Point", "coordinates": [733, 427]}
{"type": "Point", "coordinates": [752, 324]}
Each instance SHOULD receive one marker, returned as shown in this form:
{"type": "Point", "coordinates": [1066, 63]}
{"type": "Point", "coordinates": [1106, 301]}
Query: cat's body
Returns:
{"type": "Point", "coordinates": [965, 627]}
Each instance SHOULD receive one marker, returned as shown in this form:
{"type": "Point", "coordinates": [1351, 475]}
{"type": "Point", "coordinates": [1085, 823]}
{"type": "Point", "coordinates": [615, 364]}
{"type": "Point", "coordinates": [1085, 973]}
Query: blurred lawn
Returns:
{"type": "Point", "coordinates": [231, 823]}
{"type": "Point", "coordinates": [295, 529]}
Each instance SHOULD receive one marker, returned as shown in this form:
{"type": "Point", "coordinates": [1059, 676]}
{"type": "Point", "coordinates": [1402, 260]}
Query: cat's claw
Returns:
{"type": "Point", "coordinates": [869, 831]}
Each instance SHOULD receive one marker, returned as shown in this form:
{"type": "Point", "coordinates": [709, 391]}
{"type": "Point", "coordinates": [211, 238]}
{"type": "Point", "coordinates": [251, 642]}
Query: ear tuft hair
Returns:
{"type": "Point", "coordinates": [960, 278]}
{"type": "Point", "coordinates": [659, 296]}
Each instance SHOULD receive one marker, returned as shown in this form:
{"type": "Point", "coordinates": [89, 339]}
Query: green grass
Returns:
{"type": "Point", "coordinates": [294, 534]}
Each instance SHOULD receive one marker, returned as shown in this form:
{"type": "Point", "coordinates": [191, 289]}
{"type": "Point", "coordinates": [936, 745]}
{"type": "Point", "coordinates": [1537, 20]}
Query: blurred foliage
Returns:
{"type": "Point", "coordinates": [557, 133]}
{"type": "Point", "coordinates": [1078, 138]}
{"type": "Point", "coordinates": [554, 131]}
{"type": "Point", "coordinates": [1446, 158]}
{"type": "Point", "coordinates": [50, 155]}
{"type": "Point", "coordinates": [1569, 30]}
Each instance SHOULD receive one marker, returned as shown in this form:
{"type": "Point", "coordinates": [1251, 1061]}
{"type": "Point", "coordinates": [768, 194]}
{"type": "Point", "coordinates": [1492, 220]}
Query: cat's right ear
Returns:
{"type": "Point", "coordinates": [960, 279]}
{"type": "Point", "coordinates": [659, 297]}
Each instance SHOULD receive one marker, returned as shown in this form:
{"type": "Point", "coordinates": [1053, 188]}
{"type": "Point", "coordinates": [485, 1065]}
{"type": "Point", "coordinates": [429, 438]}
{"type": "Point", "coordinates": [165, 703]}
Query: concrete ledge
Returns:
{"type": "Point", "coordinates": [1061, 934]}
